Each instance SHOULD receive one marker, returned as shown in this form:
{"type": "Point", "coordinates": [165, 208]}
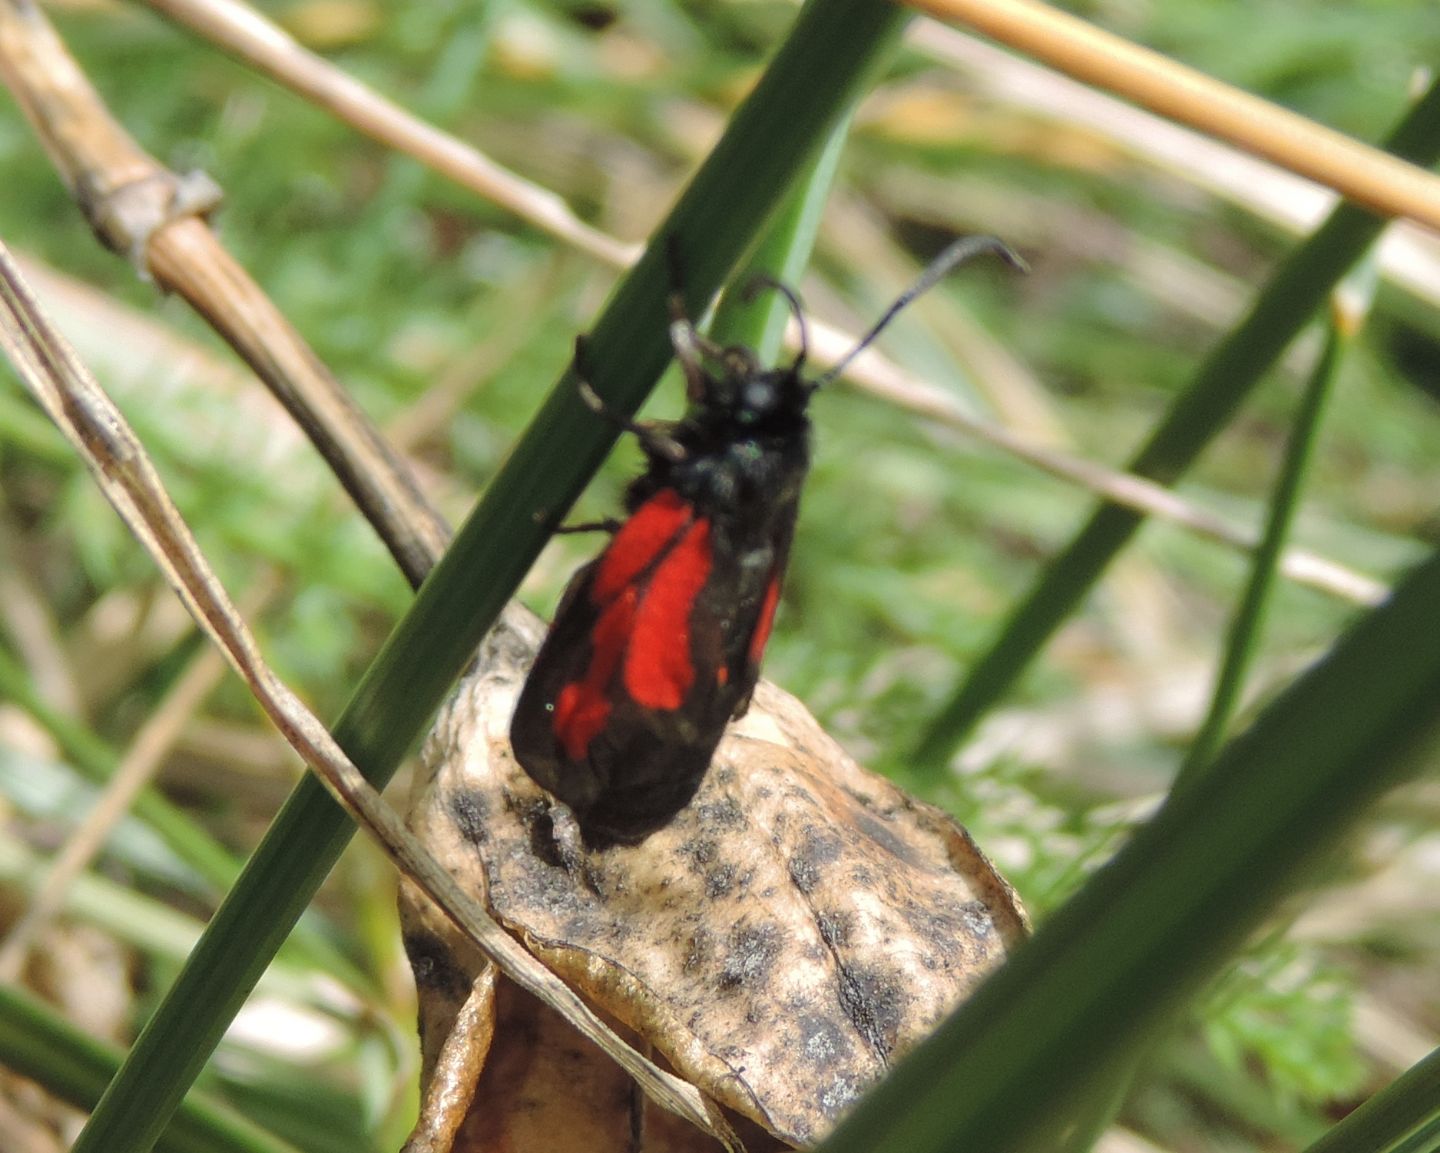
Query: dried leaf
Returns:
{"type": "Point", "coordinates": [796, 928]}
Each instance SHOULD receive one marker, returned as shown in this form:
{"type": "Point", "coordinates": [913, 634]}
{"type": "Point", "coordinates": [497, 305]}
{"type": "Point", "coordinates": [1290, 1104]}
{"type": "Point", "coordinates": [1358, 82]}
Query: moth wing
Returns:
{"type": "Point", "coordinates": [655, 647]}
{"type": "Point", "coordinates": [577, 705]}
{"type": "Point", "coordinates": [657, 759]}
{"type": "Point", "coordinates": [564, 658]}
{"type": "Point", "coordinates": [755, 598]}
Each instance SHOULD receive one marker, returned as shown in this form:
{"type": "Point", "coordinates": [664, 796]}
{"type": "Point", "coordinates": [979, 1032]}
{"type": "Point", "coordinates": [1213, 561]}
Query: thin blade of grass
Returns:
{"type": "Point", "coordinates": [816, 75]}
{"type": "Point", "coordinates": [1411, 1101]}
{"type": "Point", "coordinates": [1243, 640]}
{"type": "Point", "coordinates": [1241, 645]}
{"type": "Point", "coordinates": [782, 254]}
{"type": "Point", "coordinates": [1282, 308]}
{"type": "Point", "coordinates": [37, 1042]}
{"type": "Point", "coordinates": [1425, 1139]}
{"type": "Point", "coordinates": [1159, 921]}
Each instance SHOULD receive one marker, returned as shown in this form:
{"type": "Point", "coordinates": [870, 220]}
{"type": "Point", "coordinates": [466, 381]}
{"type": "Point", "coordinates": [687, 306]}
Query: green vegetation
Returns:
{"type": "Point", "coordinates": [915, 544]}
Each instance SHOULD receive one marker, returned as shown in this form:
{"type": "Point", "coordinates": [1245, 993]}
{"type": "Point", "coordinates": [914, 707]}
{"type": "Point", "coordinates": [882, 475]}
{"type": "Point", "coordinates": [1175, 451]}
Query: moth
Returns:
{"type": "Point", "coordinates": [657, 643]}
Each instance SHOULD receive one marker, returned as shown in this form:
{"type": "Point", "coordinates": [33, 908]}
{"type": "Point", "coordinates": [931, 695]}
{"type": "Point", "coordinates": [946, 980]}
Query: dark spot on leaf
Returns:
{"type": "Point", "coordinates": [719, 882]}
{"type": "Point", "coordinates": [700, 852]}
{"type": "Point", "coordinates": [750, 956]}
{"type": "Point", "coordinates": [823, 1043]}
{"type": "Point", "coordinates": [957, 929]}
{"type": "Point", "coordinates": [470, 811]}
{"type": "Point", "coordinates": [434, 967]}
{"type": "Point", "coordinates": [874, 1002]}
{"type": "Point", "coordinates": [882, 835]}
{"type": "Point", "coordinates": [818, 848]}
{"type": "Point", "coordinates": [721, 814]}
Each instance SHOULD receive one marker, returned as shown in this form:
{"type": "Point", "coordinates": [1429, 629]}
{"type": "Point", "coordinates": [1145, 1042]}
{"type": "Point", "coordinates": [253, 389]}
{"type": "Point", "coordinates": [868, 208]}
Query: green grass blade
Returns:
{"type": "Point", "coordinates": [96, 761]}
{"type": "Point", "coordinates": [1298, 287]}
{"type": "Point", "coordinates": [1100, 1109]}
{"type": "Point", "coordinates": [36, 1042]}
{"type": "Point", "coordinates": [1249, 621]}
{"type": "Point", "coordinates": [1159, 921]}
{"type": "Point", "coordinates": [1425, 1139]}
{"type": "Point", "coordinates": [1244, 635]}
{"type": "Point", "coordinates": [815, 77]}
{"type": "Point", "coordinates": [1242, 642]}
{"type": "Point", "coordinates": [782, 254]}
{"type": "Point", "coordinates": [1412, 1101]}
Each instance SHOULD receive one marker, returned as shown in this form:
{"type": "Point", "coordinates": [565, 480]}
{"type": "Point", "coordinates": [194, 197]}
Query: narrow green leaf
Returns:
{"type": "Point", "coordinates": [782, 254]}
{"type": "Point", "coordinates": [38, 1043]}
{"type": "Point", "coordinates": [1282, 308]}
{"type": "Point", "coordinates": [1425, 1139]}
{"type": "Point", "coordinates": [1161, 919]}
{"type": "Point", "coordinates": [1249, 621]}
{"type": "Point", "coordinates": [817, 74]}
{"type": "Point", "coordinates": [1410, 1102]}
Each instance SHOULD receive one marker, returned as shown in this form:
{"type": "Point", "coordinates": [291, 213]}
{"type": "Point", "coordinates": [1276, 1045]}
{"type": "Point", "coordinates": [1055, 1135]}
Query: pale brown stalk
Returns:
{"type": "Point", "coordinates": [98, 431]}
{"type": "Point", "coordinates": [139, 208]}
{"type": "Point", "coordinates": [1369, 176]}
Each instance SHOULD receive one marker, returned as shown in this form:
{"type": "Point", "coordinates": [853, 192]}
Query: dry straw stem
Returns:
{"type": "Point", "coordinates": [1372, 178]}
{"type": "Point", "coordinates": [140, 208]}
{"type": "Point", "coordinates": [92, 152]}
{"type": "Point", "coordinates": [247, 34]}
{"type": "Point", "coordinates": [883, 379]}
{"type": "Point", "coordinates": [153, 742]}
{"type": "Point", "coordinates": [98, 431]}
{"type": "Point", "coordinates": [1407, 255]}
{"type": "Point", "coordinates": [250, 37]}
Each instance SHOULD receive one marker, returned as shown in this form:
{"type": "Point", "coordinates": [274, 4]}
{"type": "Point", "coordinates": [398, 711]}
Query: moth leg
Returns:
{"type": "Point", "coordinates": [652, 437]}
{"type": "Point", "coordinates": [691, 346]}
{"type": "Point", "coordinates": [690, 350]}
{"type": "Point", "coordinates": [609, 524]}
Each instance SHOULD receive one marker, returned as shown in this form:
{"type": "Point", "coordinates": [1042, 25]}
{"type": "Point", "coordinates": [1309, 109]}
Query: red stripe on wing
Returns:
{"type": "Point", "coordinates": [658, 666]}
{"type": "Point", "coordinates": [582, 707]}
{"type": "Point", "coordinates": [642, 538]}
{"type": "Point", "coordinates": [636, 619]}
{"type": "Point", "coordinates": [761, 635]}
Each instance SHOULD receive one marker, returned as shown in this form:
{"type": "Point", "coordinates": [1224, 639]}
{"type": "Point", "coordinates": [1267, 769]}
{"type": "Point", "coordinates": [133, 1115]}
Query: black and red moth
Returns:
{"type": "Point", "coordinates": [657, 642]}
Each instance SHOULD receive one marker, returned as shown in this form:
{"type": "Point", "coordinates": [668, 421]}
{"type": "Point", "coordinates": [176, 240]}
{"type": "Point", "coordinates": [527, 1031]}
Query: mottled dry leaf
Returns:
{"type": "Point", "coordinates": [795, 929]}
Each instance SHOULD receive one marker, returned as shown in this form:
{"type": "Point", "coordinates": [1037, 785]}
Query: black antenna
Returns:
{"type": "Point", "coordinates": [752, 290]}
{"type": "Point", "coordinates": [966, 248]}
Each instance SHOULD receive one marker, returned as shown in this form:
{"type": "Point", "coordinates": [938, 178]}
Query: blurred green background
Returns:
{"type": "Point", "coordinates": [447, 319]}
